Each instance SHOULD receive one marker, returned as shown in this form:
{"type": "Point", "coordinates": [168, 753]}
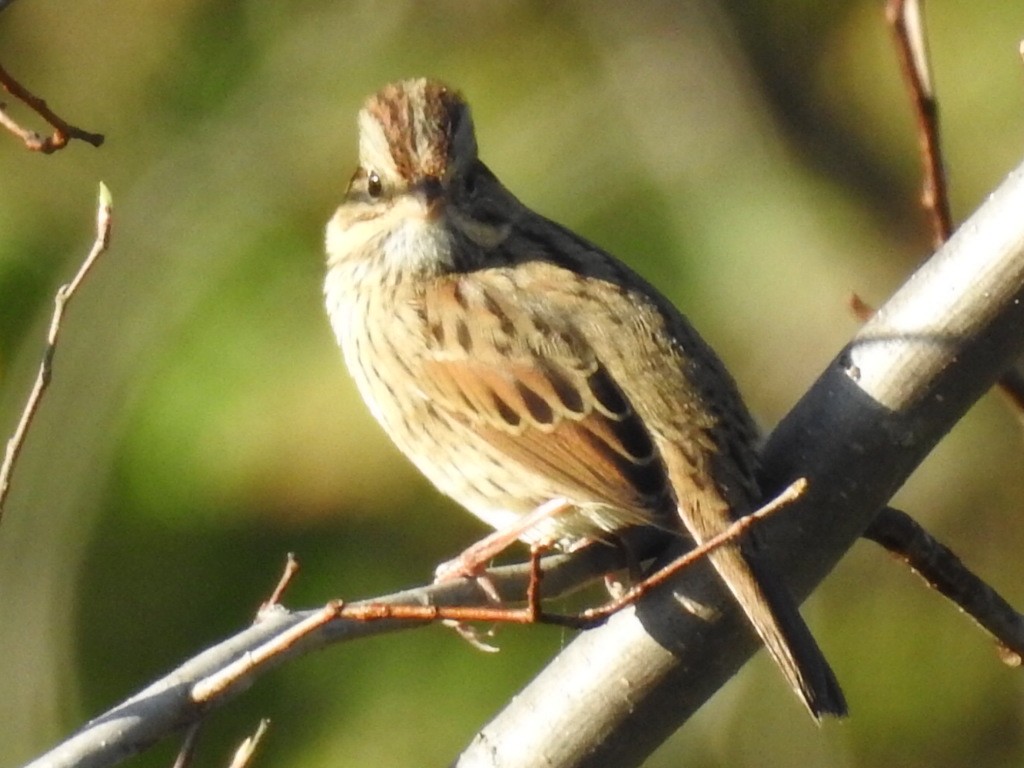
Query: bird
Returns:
{"type": "Point", "coordinates": [519, 365]}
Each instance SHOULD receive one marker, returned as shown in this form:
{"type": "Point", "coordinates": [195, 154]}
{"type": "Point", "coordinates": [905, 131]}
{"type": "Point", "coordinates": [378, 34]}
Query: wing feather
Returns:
{"type": "Point", "coordinates": [533, 389]}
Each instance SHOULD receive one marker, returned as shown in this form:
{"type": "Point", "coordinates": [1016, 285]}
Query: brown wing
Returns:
{"type": "Point", "coordinates": [682, 392]}
{"type": "Point", "coordinates": [531, 387]}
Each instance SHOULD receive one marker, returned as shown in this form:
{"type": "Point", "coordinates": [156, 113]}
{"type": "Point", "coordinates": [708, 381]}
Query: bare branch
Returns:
{"type": "Point", "coordinates": [944, 572]}
{"type": "Point", "coordinates": [291, 568]}
{"type": "Point", "coordinates": [904, 16]}
{"type": "Point", "coordinates": [184, 696]}
{"type": "Point", "coordinates": [907, 22]}
{"type": "Point", "coordinates": [63, 297]}
{"type": "Point", "coordinates": [63, 131]}
{"type": "Point", "coordinates": [245, 667]}
{"type": "Point", "coordinates": [591, 617]}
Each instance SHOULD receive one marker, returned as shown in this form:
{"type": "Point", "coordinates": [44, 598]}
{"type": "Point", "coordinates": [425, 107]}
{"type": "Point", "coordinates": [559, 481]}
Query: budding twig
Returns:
{"type": "Point", "coordinates": [63, 297]}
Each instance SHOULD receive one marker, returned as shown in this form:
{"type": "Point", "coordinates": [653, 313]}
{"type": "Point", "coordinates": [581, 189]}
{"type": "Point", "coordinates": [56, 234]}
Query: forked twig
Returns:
{"type": "Point", "coordinates": [63, 131]}
{"type": "Point", "coordinates": [62, 298]}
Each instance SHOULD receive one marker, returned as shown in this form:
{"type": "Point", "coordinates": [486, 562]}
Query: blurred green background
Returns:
{"type": "Point", "coordinates": [756, 160]}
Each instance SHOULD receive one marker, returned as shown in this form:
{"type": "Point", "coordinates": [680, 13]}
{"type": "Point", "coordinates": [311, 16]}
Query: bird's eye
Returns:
{"type": "Point", "coordinates": [374, 186]}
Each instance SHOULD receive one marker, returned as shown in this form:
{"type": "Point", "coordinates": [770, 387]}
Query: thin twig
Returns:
{"type": "Point", "coordinates": [63, 131]}
{"type": "Point", "coordinates": [247, 748]}
{"type": "Point", "coordinates": [591, 617]}
{"type": "Point", "coordinates": [934, 562]}
{"type": "Point", "coordinates": [166, 706]}
{"type": "Point", "coordinates": [291, 568]}
{"type": "Point", "coordinates": [1012, 386]}
{"type": "Point", "coordinates": [64, 295]}
{"type": "Point", "coordinates": [530, 614]}
{"type": "Point", "coordinates": [207, 689]}
{"type": "Point", "coordinates": [904, 16]}
{"type": "Point", "coordinates": [187, 753]}
{"type": "Point", "coordinates": [860, 308]}
{"type": "Point", "coordinates": [908, 28]}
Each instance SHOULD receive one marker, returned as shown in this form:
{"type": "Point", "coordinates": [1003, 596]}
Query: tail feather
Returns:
{"type": "Point", "coordinates": [773, 613]}
{"type": "Point", "coordinates": [763, 597]}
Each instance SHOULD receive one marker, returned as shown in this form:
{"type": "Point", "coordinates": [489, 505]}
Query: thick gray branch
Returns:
{"type": "Point", "coordinates": [901, 384]}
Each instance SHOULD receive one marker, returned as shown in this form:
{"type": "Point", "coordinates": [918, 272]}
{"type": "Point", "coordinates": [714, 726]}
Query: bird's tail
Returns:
{"type": "Point", "coordinates": [773, 613]}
